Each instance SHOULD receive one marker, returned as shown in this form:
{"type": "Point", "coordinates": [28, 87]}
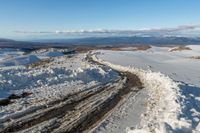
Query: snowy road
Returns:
{"type": "Point", "coordinates": [76, 112]}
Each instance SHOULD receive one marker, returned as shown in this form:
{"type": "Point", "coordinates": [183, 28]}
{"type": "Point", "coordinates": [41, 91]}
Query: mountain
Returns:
{"type": "Point", "coordinates": [126, 40]}
{"type": "Point", "coordinates": [5, 40]}
{"type": "Point", "coordinates": [108, 41]}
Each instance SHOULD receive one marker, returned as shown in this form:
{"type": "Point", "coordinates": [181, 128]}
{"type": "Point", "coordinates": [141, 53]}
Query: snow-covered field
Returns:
{"type": "Point", "coordinates": [172, 82]}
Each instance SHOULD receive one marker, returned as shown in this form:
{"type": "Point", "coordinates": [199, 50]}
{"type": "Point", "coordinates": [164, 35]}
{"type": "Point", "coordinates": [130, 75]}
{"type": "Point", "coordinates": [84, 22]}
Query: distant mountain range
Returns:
{"type": "Point", "coordinates": [5, 40]}
{"type": "Point", "coordinates": [130, 40]}
{"type": "Point", "coordinates": [109, 41]}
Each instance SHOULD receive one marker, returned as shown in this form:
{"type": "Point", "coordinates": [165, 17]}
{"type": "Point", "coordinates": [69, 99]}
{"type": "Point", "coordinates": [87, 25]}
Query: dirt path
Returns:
{"type": "Point", "coordinates": [78, 112]}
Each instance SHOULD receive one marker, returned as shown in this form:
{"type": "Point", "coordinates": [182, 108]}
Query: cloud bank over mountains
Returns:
{"type": "Point", "coordinates": [184, 30]}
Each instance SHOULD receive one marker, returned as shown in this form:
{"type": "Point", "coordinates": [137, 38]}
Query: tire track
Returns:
{"type": "Point", "coordinates": [79, 112]}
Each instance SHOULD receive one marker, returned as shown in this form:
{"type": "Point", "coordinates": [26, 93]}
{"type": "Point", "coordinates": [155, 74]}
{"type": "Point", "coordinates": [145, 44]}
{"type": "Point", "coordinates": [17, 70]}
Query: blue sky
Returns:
{"type": "Point", "coordinates": [53, 15]}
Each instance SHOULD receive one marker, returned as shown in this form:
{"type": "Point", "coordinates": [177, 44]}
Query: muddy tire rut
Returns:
{"type": "Point", "coordinates": [79, 112]}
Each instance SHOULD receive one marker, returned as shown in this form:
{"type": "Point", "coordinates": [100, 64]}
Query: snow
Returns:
{"type": "Point", "coordinates": [169, 102]}
{"type": "Point", "coordinates": [22, 60]}
{"type": "Point", "coordinates": [126, 115]}
{"type": "Point", "coordinates": [8, 53]}
{"type": "Point", "coordinates": [172, 82]}
{"type": "Point", "coordinates": [16, 57]}
{"type": "Point", "coordinates": [54, 54]}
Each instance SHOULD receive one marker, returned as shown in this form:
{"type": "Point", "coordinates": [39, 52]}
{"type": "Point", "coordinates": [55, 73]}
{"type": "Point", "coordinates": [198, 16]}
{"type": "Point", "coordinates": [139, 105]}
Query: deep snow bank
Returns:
{"type": "Point", "coordinates": [163, 105]}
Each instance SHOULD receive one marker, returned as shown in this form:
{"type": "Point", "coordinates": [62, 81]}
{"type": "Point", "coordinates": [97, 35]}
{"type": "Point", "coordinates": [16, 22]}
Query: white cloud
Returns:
{"type": "Point", "coordinates": [180, 30]}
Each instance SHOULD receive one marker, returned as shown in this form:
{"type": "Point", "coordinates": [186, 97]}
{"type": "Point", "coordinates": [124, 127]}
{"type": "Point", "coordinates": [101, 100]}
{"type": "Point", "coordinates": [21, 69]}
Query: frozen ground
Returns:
{"type": "Point", "coordinates": [173, 104]}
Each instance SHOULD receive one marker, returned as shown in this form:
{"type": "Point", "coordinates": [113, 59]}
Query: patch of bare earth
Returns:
{"type": "Point", "coordinates": [195, 57]}
{"type": "Point", "coordinates": [180, 48]}
{"type": "Point", "coordinates": [85, 49]}
{"type": "Point", "coordinates": [135, 48]}
{"type": "Point", "coordinates": [12, 97]}
{"type": "Point", "coordinates": [40, 63]}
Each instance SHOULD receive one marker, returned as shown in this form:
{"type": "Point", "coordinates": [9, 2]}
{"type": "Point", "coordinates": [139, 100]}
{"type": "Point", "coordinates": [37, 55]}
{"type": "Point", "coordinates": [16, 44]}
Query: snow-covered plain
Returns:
{"type": "Point", "coordinates": [172, 81]}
